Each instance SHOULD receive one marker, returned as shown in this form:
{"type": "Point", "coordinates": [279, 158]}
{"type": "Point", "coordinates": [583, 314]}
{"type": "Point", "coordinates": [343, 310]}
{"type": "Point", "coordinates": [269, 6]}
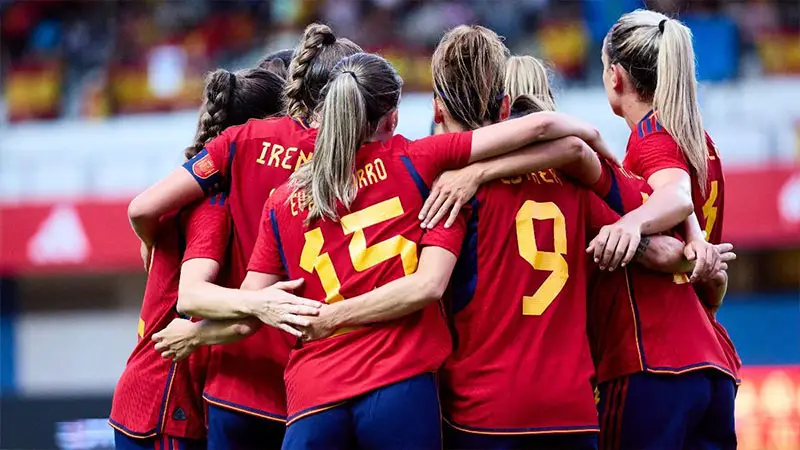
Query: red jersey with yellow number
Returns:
{"type": "Point", "coordinates": [651, 149]}
{"type": "Point", "coordinates": [522, 362]}
{"type": "Point", "coordinates": [154, 395]}
{"type": "Point", "coordinates": [642, 320]}
{"type": "Point", "coordinates": [374, 242]}
{"type": "Point", "coordinates": [247, 163]}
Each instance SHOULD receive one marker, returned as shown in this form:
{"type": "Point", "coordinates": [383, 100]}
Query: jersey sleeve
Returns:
{"type": "Point", "coordinates": [433, 155]}
{"type": "Point", "coordinates": [603, 185]}
{"type": "Point", "coordinates": [657, 152]}
{"type": "Point", "coordinates": [598, 215]}
{"type": "Point", "coordinates": [267, 256]}
{"type": "Point", "coordinates": [207, 228]}
{"type": "Point", "coordinates": [451, 238]}
{"type": "Point", "coordinates": [210, 167]}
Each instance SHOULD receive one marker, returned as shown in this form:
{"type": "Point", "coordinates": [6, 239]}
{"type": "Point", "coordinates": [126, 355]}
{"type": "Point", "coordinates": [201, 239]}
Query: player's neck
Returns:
{"type": "Point", "coordinates": [634, 111]}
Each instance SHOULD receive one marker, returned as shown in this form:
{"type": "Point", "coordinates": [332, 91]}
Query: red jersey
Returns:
{"type": "Point", "coordinates": [155, 395]}
{"type": "Point", "coordinates": [642, 320]}
{"type": "Point", "coordinates": [247, 163]}
{"type": "Point", "coordinates": [651, 149]}
{"type": "Point", "coordinates": [376, 241]}
{"type": "Point", "coordinates": [522, 362]}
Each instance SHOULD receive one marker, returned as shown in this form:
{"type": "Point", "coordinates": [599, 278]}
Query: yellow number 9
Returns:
{"type": "Point", "coordinates": [553, 262]}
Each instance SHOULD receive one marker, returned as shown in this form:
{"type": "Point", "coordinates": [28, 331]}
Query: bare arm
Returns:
{"type": "Point", "coordinates": [261, 296]}
{"type": "Point", "coordinates": [453, 189]}
{"type": "Point", "coordinates": [392, 300]}
{"type": "Point", "coordinates": [176, 190]}
{"type": "Point", "coordinates": [181, 337]}
{"type": "Point", "coordinates": [665, 254]}
{"type": "Point", "coordinates": [510, 135]}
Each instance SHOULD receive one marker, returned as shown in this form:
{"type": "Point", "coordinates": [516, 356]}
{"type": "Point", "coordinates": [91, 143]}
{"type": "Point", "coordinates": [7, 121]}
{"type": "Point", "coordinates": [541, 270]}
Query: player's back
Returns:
{"type": "Point", "coordinates": [374, 242]}
{"type": "Point", "coordinates": [643, 320]}
{"type": "Point", "coordinates": [254, 159]}
{"type": "Point", "coordinates": [522, 361]}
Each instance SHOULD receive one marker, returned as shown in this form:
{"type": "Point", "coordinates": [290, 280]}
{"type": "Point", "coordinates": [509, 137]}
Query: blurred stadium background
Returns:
{"type": "Point", "coordinates": [98, 101]}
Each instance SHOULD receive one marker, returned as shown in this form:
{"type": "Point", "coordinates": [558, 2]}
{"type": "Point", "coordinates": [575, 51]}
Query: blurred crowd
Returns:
{"type": "Point", "coordinates": [88, 58]}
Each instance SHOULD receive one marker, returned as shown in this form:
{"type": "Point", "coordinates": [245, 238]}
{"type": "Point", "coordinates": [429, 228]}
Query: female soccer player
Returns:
{"type": "Point", "coordinates": [655, 335]}
{"type": "Point", "coordinates": [649, 77]}
{"type": "Point", "coordinates": [364, 183]}
{"type": "Point", "coordinates": [245, 389]}
{"type": "Point", "coordinates": [158, 404]}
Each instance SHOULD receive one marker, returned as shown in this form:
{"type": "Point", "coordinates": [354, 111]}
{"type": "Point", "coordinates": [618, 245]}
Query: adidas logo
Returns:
{"type": "Point", "coordinates": [179, 414]}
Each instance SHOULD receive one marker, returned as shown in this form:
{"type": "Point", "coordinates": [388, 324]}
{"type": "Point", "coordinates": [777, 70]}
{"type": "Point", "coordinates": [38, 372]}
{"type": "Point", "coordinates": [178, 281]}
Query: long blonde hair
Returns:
{"type": "Point", "coordinates": [363, 88]}
{"type": "Point", "coordinates": [468, 69]}
{"type": "Point", "coordinates": [529, 77]}
{"type": "Point", "coordinates": [316, 54]}
{"type": "Point", "coordinates": [657, 53]}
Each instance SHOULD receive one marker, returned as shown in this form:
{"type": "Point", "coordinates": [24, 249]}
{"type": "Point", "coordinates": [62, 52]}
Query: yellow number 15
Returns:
{"type": "Point", "coordinates": [553, 262]}
{"type": "Point", "coordinates": [362, 257]}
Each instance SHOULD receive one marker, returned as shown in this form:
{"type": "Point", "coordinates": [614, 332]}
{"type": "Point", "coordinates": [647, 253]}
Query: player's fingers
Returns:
{"type": "Point", "coordinates": [454, 214]}
{"type": "Point", "coordinates": [182, 355]}
{"type": "Point", "coordinates": [608, 253]}
{"type": "Point", "coordinates": [598, 244]}
{"type": "Point", "coordinates": [161, 346]}
{"type": "Point", "coordinates": [700, 266]}
{"type": "Point", "coordinates": [441, 198]}
{"type": "Point", "coordinates": [295, 320]}
{"type": "Point", "coordinates": [289, 285]}
{"type": "Point", "coordinates": [301, 301]}
{"type": "Point", "coordinates": [301, 310]}
{"type": "Point", "coordinates": [689, 252]}
{"type": "Point", "coordinates": [433, 196]}
{"type": "Point", "coordinates": [167, 354]}
{"type": "Point", "coordinates": [443, 210]}
{"type": "Point", "coordinates": [724, 247]}
{"type": "Point", "coordinates": [620, 252]}
{"type": "Point", "coordinates": [727, 257]}
{"type": "Point", "coordinates": [713, 255]}
{"type": "Point", "coordinates": [633, 245]}
{"type": "Point", "coordinates": [723, 266]}
{"type": "Point", "coordinates": [290, 330]}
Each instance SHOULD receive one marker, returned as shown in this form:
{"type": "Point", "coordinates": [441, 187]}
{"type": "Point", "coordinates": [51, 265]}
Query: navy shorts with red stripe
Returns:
{"type": "Point", "coordinates": [158, 442]}
{"type": "Point", "coordinates": [650, 411]}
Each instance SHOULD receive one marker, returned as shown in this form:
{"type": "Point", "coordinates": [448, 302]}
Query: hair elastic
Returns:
{"type": "Point", "coordinates": [661, 25]}
{"type": "Point", "coordinates": [352, 74]}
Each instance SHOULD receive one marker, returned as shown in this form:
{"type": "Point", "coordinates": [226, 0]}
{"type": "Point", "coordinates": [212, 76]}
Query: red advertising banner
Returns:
{"type": "Point", "coordinates": [67, 236]}
{"type": "Point", "coordinates": [768, 408]}
{"type": "Point", "coordinates": [762, 209]}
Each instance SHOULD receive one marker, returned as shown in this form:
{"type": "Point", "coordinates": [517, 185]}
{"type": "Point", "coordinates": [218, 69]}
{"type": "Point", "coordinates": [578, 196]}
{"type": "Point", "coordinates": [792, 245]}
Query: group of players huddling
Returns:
{"type": "Point", "coordinates": [501, 284]}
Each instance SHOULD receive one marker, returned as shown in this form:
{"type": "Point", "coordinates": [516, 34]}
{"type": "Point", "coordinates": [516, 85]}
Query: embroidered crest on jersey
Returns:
{"type": "Point", "coordinates": [204, 167]}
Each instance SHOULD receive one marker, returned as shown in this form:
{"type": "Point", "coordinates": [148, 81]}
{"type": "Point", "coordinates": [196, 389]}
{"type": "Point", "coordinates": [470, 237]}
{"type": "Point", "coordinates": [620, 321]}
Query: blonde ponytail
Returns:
{"type": "Point", "coordinates": [675, 97]}
{"type": "Point", "coordinates": [657, 53]}
{"type": "Point", "coordinates": [526, 75]}
{"type": "Point", "coordinates": [362, 90]}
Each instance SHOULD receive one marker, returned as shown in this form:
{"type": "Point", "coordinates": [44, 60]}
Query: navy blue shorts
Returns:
{"type": "Point", "coordinates": [647, 411]}
{"type": "Point", "coordinates": [232, 430]}
{"type": "Point", "coordinates": [455, 439]}
{"type": "Point", "coordinates": [158, 442]}
{"type": "Point", "coordinates": [404, 415]}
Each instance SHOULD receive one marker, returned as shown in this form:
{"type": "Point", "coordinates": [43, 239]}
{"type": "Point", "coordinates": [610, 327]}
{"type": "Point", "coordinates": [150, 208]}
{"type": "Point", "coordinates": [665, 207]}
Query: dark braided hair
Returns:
{"type": "Point", "coordinates": [319, 50]}
{"type": "Point", "coordinates": [277, 62]}
{"type": "Point", "coordinates": [233, 98]}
